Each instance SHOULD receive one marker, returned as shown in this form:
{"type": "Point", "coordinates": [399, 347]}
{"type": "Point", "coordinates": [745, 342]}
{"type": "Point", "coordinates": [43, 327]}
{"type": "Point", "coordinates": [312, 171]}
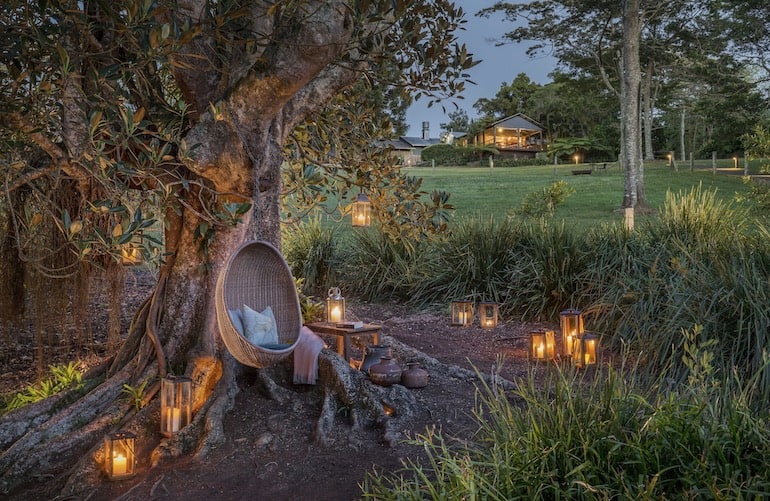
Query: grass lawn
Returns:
{"type": "Point", "coordinates": [479, 191]}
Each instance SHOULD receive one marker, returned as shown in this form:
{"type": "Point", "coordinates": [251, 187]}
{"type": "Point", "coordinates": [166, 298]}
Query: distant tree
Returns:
{"type": "Point", "coordinates": [458, 121]}
{"type": "Point", "coordinates": [510, 98]}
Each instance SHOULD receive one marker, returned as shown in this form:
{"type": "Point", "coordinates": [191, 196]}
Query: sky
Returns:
{"type": "Point", "coordinates": [498, 65]}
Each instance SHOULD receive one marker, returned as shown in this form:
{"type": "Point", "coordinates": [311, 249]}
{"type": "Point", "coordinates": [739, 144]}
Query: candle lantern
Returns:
{"type": "Point", "coordinates": [131, 252]}
{"type": "Point", "coordinates": [585, 350]}
{"type": "Point", "coordinates": [335, 306]}
{"type": "Point", "coordinates": [119, 458]}
{"type": "Point", "coordinates": [175, 404]}
{"type": "Point", "coordinates": [362, 211]}
{"type": "Point", "coordinates": [571, 325]}
{"type": "Point", "coordinates": [462, 313]}
{"type": "Point", "coordinates": [542, 345]}
{"type": "Point", "coordinates": [488, 314]}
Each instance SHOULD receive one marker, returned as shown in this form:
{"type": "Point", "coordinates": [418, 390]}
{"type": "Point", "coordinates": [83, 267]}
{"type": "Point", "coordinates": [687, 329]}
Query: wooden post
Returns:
{"type": "Point", "coordinates": [629, 218]}
{"type": "Point", "coordinates": [692, 163]}
{"type": "Point", "coordinates": [713, 162]}
{"type": "Point", "coordinates": [745, 164]}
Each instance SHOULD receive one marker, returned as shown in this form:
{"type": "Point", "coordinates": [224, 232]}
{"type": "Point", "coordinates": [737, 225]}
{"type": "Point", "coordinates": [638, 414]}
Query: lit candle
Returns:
{"type": "Point", "coordinates": [541, 350]}
{"type": "Point", "coordinates": [462, 317]}
{"type": "Point", "coordinates": [569, 344]}
{"type": "Point", "coordinates": [361, 219]}
{"type": "Point", "coordinates": [336, 314]}
{"type": "Point", "coordinates": [119, 464]}
{"type": "Point", "coordinates": [174, 415]}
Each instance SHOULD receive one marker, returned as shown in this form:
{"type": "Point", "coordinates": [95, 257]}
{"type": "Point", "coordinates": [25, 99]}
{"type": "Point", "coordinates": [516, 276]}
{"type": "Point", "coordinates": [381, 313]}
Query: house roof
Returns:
{"type": "Point", "coordinates": [517, 121]}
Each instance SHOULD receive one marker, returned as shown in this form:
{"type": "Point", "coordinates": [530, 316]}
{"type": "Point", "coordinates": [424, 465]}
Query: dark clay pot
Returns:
{"type": "Point", "coordinates": [386, 372]}
{"type": "Point", "coordinates": [372, 356]}
{"type": "Point", "coordinates": [414, 376]}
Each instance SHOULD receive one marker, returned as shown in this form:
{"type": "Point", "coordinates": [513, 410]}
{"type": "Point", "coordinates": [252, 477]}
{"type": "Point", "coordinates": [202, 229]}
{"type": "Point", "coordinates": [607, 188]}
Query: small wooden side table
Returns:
{"type": "Point", "coordinates": [344, 335]}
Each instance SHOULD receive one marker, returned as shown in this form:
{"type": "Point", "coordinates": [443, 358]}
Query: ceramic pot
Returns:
{"type": "Point", "coordinates": [386, 372]}
{"type": "Point", "coordinates": [414, 376]}
{"type": "Point", "coordinates": [372, 355]}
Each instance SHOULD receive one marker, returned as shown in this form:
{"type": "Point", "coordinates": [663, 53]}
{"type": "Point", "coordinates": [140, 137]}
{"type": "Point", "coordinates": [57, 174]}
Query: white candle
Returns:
{"type": "Point", "coordinates": [119, 465]}
{"type": "Point", "coordinates": [462, 316]}
{"type": "Point", "coordinates": [361, 219]}
{"type": "Point", "coordinates": [175, 414]}
{"type": "Point", "coordinates": [541, 350]}
{"type": "Point", "coordinates": [336, 314]}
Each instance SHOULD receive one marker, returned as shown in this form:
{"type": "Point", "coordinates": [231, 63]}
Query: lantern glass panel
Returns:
{"type": "Point", "coordinates": [362, 211]}
{"type": "Point", "coordinates": [175, 404]}
{"type": "Point", "coordinates": [488, 315]}
{"type": "Point", "coordinates": [462, 313]}
{"type": "Point", "coordinates": [585, 350]}
{"type": "Point", "coordinates": [571, 321]}
{"type": "Point", "coordinates": [119, 456]}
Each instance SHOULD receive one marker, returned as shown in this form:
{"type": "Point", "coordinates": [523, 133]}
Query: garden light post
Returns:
{"type": "Point", "coordinates": [175, 404]}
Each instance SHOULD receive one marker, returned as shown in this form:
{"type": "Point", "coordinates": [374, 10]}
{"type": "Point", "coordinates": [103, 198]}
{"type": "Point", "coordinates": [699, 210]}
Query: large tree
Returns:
{"type": "Point", "coordinates": [191, 104]}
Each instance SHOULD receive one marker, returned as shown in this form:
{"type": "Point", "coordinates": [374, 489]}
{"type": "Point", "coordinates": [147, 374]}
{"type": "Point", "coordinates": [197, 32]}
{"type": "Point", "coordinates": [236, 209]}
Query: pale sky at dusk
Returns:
{"type": "Point", "coordinates": [498, 65]}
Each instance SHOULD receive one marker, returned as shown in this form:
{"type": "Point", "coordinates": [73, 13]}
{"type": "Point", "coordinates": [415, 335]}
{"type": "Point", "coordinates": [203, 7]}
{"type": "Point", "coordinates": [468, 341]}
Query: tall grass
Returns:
{"type": "Point", "coordinates": [600, 438]}
{"type": "Point", "coordinates": [314, 253]}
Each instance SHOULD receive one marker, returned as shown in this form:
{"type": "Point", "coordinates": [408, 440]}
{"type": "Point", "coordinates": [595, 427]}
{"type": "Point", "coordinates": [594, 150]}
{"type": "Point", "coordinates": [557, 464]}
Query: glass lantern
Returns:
{"type": "Point", "coordinates": [488, 314]}
{"type": "Point", "coordinates": [585, 350]}
{"type": "Point", "coordinates": [119, 456]}
{"type": "Point", "coordinates": [175, 404]}
{"type": "Point", "coordinates": [542, 345]}
{"type": "Point", "coordinates": [571, 321]}
{"type": "Point", "coordinates": [462, 313]}
{"type": "Point", "coordinates": [335, 306]}
{"type": "Point", "coordinates": [362, 211]}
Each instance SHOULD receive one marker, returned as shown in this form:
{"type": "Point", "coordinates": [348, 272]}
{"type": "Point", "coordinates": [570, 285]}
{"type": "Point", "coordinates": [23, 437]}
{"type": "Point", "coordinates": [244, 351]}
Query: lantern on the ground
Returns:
{"type": "Point", "coordinates": [362, 211]}
{"type": "Point", "coordinates": [462, 313]}
{"type": "Point", "coordinates": [175, 404]}
{"type": "Point", "coordinates": [119, 457]}
{"type": "Point", "coordinates": [335, 306]}
{"type": "Point", "coordinates": [571, 321]}
{"type": "Point", "coordinates": [542, 345]}
{"type": "Point", "coordinates": [488, 314]}
{"type": "Point", "coordinates": [585, 350]}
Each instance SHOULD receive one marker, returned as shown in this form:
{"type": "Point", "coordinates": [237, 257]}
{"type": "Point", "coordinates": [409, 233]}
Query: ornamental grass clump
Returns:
{"type": "Point", "coordinates": [573, 436]}
{"type": "Point", "coordinates": [313, 253]}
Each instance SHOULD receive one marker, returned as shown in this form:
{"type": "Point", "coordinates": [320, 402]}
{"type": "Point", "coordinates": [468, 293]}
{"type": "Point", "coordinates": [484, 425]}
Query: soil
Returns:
{"type": "Point", "coordinates": [270, 453]}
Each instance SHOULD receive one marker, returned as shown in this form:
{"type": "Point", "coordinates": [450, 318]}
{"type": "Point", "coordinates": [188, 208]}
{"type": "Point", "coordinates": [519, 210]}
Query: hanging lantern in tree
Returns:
{"type": "Point", "coordinates": [542, 345]}
{"type": "Point", "coordinates": [119, 457]}
{"type": "Point", "coordinates": [488, 314]}
{"type": "Point", "coordinates": [362, 211]}
{"type": "Point", "coordinates": [335, 306]}
{"type": "Point", "coordinates": [175, 404]}
{"type": "Point", "coordinates": [462, 313]}
{"type": "Point", "coordinates": [571, 321]}
{"type": "Point", "coordinates": [585, 350]}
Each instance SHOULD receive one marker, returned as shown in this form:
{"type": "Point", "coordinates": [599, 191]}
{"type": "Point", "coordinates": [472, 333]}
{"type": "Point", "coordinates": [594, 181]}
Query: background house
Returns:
{"type": "Point", "coordinates": [409, 148]}
{"type": "Point", "coordinates": [516, 136]}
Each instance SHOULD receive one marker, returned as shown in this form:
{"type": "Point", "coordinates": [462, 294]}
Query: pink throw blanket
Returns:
{"type": "Point", "coordinates": [306, 356]}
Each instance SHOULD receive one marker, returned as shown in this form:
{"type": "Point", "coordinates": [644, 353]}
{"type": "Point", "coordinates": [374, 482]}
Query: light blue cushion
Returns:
{"type": "Point", "coordinates": [259, 328]}
{"type": "Point", "coordinates": [237, 320]}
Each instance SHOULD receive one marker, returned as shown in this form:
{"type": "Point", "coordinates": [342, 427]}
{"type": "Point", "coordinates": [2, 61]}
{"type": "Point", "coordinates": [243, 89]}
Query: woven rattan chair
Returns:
{"type": "Point", "coordinates": [258, 276]}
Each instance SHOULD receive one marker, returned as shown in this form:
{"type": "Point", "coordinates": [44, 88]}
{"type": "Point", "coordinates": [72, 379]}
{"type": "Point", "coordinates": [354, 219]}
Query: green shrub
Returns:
{"type": "Point", "coordinates": [62, 377]}
{"type": "Point", "coordinates": [381, 268]}
{"type": "Point", "coordinates": [542, 203]}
